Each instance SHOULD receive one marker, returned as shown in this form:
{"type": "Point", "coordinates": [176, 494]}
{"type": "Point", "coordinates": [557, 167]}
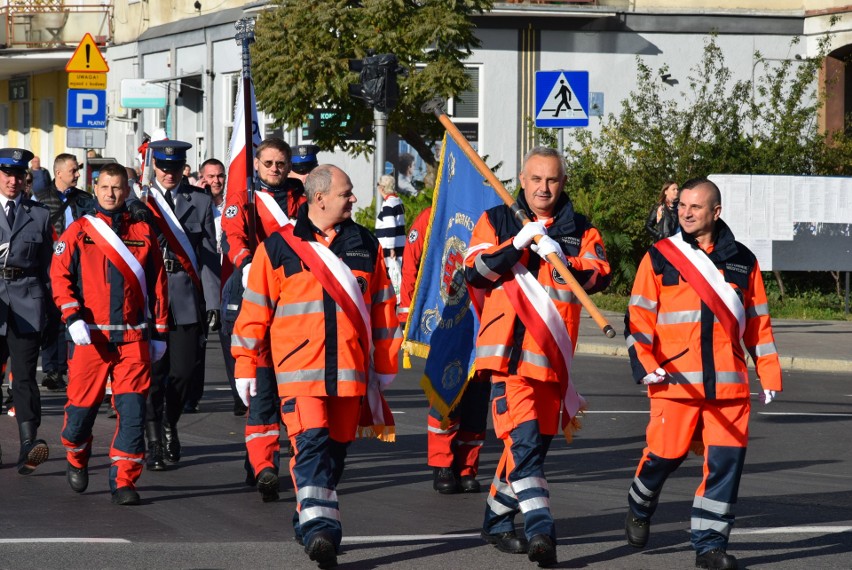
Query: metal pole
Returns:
{"type": "Point", "coordinates": [380, 122]}
{"type": "Point", "coordinates": [846, 299]}
{"type": "Point", "coordinates": [560, 141]}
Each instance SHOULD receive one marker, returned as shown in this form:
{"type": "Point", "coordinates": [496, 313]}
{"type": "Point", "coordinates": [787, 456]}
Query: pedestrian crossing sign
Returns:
{"type": "Point", "coordinates": [561, 99]}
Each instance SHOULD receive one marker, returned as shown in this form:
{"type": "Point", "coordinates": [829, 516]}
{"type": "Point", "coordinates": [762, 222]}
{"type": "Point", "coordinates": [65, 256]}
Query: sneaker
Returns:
{"type": "Point", "coordinates": [716, 559]}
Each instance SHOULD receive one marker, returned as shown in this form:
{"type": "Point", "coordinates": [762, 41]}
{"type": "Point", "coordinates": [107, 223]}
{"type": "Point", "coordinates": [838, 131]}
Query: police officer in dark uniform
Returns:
{"type": "Point", "coordinates": [26, 243]}
{"type": "Point", "coordinates": [303, 161]}
{"type": "Point", "coordinates": [190, 308]}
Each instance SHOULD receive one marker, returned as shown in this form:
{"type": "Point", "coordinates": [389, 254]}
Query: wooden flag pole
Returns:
{"type": "Point", "coordinates": [436, 107]}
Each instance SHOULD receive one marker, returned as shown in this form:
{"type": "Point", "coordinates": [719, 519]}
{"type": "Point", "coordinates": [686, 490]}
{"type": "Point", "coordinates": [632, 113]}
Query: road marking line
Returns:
{"type": "Point", "coordinates": [795, 530]}
{"type": "Point", "coordinates": [63, 540]}
{"type": "Point", "coordinates": [408, 538]}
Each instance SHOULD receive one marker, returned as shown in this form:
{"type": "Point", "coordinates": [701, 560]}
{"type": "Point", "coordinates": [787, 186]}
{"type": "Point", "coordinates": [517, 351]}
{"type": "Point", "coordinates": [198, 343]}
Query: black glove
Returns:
{"type": "Point", "coordinates": [214, 320]}
{"type": "Point", "coordinates": [140, 212]}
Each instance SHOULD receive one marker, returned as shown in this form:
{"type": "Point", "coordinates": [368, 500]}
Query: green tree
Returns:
{"type": "Point", "coordinates": [300, 62]}
{"type": "Point", "coordinates": [714, 125]}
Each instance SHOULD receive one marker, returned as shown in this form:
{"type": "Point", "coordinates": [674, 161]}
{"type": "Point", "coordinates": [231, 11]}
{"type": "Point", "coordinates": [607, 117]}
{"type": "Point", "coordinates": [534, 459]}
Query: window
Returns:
{"type": "Point", "coordinates": [4, 125]}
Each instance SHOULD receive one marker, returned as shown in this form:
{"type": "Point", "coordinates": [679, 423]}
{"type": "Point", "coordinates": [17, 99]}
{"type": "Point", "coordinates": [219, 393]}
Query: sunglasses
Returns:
{"type": "Point", "coordinates": [29, 180]}
{"type": "Point", "coordinates": [279, 165]}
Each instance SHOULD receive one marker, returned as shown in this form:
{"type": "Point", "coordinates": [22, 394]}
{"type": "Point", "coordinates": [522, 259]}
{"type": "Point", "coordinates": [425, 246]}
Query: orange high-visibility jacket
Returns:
{"type": "Point", "coordinates": [504, 344]}
{"type": "Point", "coordinates": [669, 327]}
{"type": "Point", "coordinates": [315, 347]}
{"type": "Point", "coordinates": [86, 285]}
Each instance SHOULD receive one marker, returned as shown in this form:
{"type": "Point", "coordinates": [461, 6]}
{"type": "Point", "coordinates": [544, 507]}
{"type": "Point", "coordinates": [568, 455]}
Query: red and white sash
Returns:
{"type": "Point", "coordinates": [337, 279]}
{"type": "Point", "coordinates": [704, 277]}
{"type": "Point", "coordinates": [271, 210]}
{"type": "Point", "coordinates": [537, 312]}
{"type": "Point", "coordinates": [175, 236]}
{"type": "Point", "coordinates": [114, 249]}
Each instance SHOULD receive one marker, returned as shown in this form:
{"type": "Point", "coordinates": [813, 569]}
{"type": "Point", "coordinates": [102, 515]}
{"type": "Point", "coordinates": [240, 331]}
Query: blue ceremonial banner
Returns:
{"type": "Point", "coordinates": [442, 326]}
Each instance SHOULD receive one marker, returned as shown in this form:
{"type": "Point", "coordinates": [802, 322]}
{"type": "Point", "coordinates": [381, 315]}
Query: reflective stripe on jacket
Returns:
{"type": "Point", "coordinates": [503, 343]}
{"type": "Point", "coordinates": [315, 348]}
{"type": "Point", "coordinates": [669, 327]}
{"type": "Point", "coordinates": [87, 285]}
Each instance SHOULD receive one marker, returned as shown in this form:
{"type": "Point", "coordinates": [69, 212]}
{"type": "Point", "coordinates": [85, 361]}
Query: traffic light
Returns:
{"type": "Point", "coordinates": [378, 86]}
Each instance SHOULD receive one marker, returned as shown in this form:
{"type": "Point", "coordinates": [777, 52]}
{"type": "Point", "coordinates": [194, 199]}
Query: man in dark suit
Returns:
{"type": "Point", "coordinates": [66, 203]}
{"type": "Point", "coordinates": [183, 216]}
{"type": "Point", "coordinates": [25, 250]}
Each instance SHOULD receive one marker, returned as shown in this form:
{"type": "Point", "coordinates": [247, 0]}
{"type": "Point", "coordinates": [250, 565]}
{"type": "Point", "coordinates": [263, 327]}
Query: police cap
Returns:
{"type": "Point", "coordinates": [12, 159]}
{"type": "Point", "coordinates": [304, 158]}
{"type": "Point", "coordinates": [169, 154]}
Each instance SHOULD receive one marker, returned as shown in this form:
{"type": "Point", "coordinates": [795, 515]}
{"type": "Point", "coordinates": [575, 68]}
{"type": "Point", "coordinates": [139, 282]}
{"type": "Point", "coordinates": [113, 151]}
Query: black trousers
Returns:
{"type": "Point", "coordinates": [23, 349]}
{"type": "Point", "coordinates": [172, 375]}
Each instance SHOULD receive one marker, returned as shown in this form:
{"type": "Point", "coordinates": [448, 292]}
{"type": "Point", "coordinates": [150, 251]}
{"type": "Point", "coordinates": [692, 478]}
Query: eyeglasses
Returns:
{"type": "Point", "coordinates": [279, 165]}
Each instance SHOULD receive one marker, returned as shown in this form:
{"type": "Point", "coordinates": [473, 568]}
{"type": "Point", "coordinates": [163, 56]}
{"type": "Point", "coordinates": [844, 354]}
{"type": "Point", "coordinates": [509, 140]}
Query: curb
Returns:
{"type": "Point", "coordinates": [798, 363]}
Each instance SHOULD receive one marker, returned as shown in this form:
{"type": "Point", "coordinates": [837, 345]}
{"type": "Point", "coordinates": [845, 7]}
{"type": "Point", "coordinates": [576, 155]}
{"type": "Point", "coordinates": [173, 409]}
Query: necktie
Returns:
{"type": "Point", "coordinates": [10, 214]}
{"type": "Point", "coordinates": [170, 200]}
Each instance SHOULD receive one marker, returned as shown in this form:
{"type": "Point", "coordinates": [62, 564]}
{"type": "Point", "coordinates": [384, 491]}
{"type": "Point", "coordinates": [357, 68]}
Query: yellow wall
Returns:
{"type": "Point", "coordinates": [52, 85]}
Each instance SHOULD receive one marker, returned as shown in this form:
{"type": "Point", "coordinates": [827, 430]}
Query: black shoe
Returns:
{"type": "Point", "coordinates": [267, 485]}
{"type": "Point", "coordinates": [508, 542]}
{"type": "Point", "coordinates": [321, 549]}
{"type": "Point", "coordinates": [171, 444]}
{"type": "Point", "coordinates": [125, 496]}
{"type": "Point", "coordinates": [469, 484]}
{"type": "Point", "coordinates": [716, 559]}
{"type": "Point", "coordinates": [190, 408]}
{"type": "Point", "coordinates": [155, 460]}
{"type": "Point", "coordinates": [637, 531]}
{"type": "Point", "coordinates": [542, 550]}
{"type": "Point", "coordinates": [33, 453]}
{"type": "Point", "coordinates": [445, 481]}
{"type": "Point", "coordinates": [240, 409]}
{"type": "Point", "coordinates": [54, 382]}
{"type": "Point", "coordinates": [78, 478]}
{"type": "Point", "coordinates": [111, 411]}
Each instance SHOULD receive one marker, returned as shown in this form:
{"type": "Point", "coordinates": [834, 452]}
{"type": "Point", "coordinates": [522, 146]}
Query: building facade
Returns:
{"type": "Point", "coordinates": [186, 54]}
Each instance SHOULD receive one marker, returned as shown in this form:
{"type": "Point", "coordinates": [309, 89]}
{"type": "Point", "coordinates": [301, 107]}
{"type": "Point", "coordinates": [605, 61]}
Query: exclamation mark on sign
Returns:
{"type": "Point", "coordinates": [88, 54]}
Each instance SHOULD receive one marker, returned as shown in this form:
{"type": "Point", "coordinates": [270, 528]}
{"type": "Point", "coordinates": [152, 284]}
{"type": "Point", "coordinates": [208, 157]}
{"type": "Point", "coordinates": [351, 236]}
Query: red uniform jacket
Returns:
{"type": "Point", "coordinates": [411, 261]}
{"type": "Point", "coordinates": [86, 285]}
{"type": "Point", "coordinates": [235, 218]}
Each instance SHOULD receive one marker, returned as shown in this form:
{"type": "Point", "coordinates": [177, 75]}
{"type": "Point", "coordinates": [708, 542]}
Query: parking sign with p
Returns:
{"type": "Point", "coordinates": [87, 109]}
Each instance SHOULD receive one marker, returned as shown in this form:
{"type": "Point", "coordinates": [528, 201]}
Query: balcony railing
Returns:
{"type": "Point", "coordinates": [39, 24]}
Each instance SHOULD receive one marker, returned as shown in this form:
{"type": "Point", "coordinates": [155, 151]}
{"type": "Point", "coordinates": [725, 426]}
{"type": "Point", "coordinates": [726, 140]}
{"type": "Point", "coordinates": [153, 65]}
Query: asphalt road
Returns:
{"type": "Point", "coordinates": [794, 511]}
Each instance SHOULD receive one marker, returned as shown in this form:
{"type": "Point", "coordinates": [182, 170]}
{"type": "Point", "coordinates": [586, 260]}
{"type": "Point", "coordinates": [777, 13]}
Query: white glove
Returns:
{"type": "Point", "coordinates": [79, 332]}
{"type": "Point", "coordinates": [246, 387]}
{"type": "Point", "coordinates": [527, 234]}
{"type": "Point", "coordinates": [767, 396]}
{"type": "Point", "coordinates": [245, 274]}
{"type": "Point", "coordinates": [654, 377]}
{"type": "Point", "coordinates": [547, 245]}
{"type": "Point", "coordinates": [157, 348]}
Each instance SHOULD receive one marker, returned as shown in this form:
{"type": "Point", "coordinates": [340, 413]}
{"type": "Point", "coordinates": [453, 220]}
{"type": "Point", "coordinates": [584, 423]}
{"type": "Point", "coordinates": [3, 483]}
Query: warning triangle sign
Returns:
{"type": "Point", "coordinates": [561, 102]}
{"type": "Point", "coordinates": [87, 58]}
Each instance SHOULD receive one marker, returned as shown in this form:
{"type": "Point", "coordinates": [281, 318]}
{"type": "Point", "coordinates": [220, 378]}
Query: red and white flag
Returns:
{"type": "Point", "coordinates": [237, 154]}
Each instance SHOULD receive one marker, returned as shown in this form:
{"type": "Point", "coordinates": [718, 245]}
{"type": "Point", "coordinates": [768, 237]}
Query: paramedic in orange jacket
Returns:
{"type": "Point", "coordinates": [272, 163]}
{"type": "Point", "coordinates": [694, 366]}
{"type": "Point", "coordinates": [321, 353]}
{"type": "Point", "coordinates": [527, 392]}
{"type": "Point", "coordinates": [453, 449]}
{"type": "Point", "coordinates": [117, 328]}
